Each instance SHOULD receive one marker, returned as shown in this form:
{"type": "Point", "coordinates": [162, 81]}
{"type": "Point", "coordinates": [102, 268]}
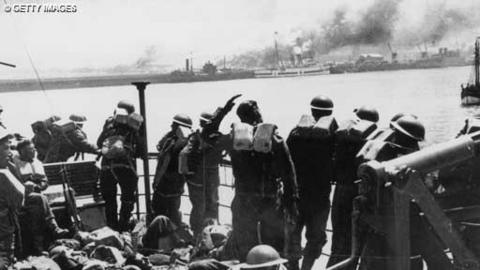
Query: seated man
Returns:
{"type": "Point", "coordinates": [28, 168]}
{"type": "Point", "coordinates": [37, 222]}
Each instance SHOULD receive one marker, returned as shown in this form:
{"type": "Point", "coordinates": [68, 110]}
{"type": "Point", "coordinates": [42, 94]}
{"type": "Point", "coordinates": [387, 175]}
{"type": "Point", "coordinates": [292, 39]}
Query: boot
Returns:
{"type": "Point", "coordinates": [55, 231]}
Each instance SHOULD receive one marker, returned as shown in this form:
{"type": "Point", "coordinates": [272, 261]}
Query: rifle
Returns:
{"type": "Point", "coordinates": [70, 203]}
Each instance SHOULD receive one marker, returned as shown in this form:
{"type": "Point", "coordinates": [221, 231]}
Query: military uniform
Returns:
{"type": "Point", "coordinates": [312, 154]}
{"type": "Point", "coordinates": [10, 204]}
{"type": "Point", "coordinates": [264, 206]}
{"type": "Point", "coordinates": [202, 159]}
{"type": "Point", "coordinates": [349, 139]}
{"type": "Point", "coordinates": [66, 145]}
{"type": "Point", "coordinates": [119, 170]}
{"type": "Point", "coordinates": [168, 182]}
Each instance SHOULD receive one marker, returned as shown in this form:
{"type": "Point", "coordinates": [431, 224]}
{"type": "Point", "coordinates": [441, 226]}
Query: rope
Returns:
{"type": "Point", "coordinates": [30, 59]}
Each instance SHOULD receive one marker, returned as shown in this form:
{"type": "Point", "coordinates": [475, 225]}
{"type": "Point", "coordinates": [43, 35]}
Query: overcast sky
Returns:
{"type": "Point", "coordinates": [105, 33]}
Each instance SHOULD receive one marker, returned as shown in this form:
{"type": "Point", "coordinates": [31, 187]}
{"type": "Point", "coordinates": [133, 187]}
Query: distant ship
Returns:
{"type": "Point", "coordinates": [471, 92]}
{"type": "Point", "coordinates": [301, 63]}
{"type": "Point", "coordinates": [376, 62]}
{"type": "Point", "coordinates": [292, 72]}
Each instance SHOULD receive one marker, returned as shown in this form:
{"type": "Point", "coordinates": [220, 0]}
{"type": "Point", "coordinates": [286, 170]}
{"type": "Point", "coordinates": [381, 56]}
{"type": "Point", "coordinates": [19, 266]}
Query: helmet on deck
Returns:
{"type": "Point", "coordinates": [262, 256]}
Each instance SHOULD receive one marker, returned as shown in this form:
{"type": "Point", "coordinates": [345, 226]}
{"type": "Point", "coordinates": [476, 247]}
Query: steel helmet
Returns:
{"type": "Point", "coordinates": [367, 113]}
{"type": "Point", "coordinates": [402, 114]}
{"type": "Point", "coordinates": [183, 120]}
{"type": "Point", "coordinates": [321, 103]}
{"type": "Point", "coordinates": [127, 105]}
{"type": "Point", "coordinates": [262, 256]}
{"type": "Point", "coordinates": [77, 118]}
{"type": "Point", "coordinates": [205, 116]}
{"type": "Point", "coordinates": [410, 126]}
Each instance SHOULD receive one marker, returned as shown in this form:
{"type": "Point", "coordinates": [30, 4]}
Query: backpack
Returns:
{"type": "Point", "coordinates": [115, 147]}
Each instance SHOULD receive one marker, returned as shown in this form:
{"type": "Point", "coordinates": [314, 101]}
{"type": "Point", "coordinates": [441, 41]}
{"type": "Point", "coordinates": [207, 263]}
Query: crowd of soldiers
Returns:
{"type": "Point", "coordinates": [281, 186]}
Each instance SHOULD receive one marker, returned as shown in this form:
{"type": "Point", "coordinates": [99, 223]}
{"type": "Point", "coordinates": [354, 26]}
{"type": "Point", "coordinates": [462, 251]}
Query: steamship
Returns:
{"type": "Point", "coordinates": [292, 72]}
{"type": "Point", "coordinates": [470, 94]}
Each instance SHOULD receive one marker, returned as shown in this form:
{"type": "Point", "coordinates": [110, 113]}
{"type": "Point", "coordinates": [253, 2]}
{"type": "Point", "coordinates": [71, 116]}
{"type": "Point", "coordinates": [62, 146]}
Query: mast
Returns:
{"type": "Point", "coordinates": [477, 58]}
{"type": "Point", "coordinates": [276, 51]}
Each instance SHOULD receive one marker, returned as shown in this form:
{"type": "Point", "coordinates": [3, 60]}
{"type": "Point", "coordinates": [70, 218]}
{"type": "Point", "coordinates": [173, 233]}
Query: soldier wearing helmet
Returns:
{"type": "Point", "coordinates": [120, 144]}
{"type": "Point", "coordinates": [168, 183]}
{"type": "Point", "coordinates": [349, 139]}
{"type": "Point", "coordinates": [264, 206]}
{"type": "Point", "coordinates": [408, 131]}
{"type": "Point", "coordinates": [311, 143]}
{"type": "Point", "coordinates": [199, 162]}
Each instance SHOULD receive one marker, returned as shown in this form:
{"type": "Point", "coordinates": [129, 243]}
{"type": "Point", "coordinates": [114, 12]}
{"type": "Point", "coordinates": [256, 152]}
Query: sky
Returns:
{"type": "Point", "coordinates": [106, 33]}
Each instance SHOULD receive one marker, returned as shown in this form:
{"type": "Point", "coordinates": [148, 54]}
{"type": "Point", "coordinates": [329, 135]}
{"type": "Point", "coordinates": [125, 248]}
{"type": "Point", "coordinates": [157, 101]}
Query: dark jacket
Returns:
{"type": "Point", "coordinates": [348, 142]}
{"type": "Point", "coordinates": [168, 181]}
{"type": "Point", "coordinates": [202, 156]}
{"type": "Point", "coordinates": [314, 165]}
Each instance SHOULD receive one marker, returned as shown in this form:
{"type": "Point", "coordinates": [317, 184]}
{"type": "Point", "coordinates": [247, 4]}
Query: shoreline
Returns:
{"type": "Point", "coordinates": [17, 85]}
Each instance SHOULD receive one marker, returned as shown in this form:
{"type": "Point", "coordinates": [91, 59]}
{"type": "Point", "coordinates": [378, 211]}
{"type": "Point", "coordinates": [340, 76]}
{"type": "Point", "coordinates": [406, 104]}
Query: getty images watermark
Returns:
{"type": "Point", "coordinates": [40, 8]}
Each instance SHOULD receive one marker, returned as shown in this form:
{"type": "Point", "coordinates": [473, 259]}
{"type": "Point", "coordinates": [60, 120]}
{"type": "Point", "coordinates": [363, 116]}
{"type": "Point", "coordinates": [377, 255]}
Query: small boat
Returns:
{"type": "Point", "coordinates": [471, 92]}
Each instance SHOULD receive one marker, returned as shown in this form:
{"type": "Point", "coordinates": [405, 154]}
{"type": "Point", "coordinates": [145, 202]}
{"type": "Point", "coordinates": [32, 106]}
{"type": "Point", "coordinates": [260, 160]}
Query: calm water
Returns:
{"type": "Point", "coordinates": [433, 95]}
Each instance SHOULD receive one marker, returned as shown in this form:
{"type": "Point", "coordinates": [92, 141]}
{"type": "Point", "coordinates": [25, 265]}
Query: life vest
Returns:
{"type": "Point", "coordinates": [311, 146]}
{"type": "Point", "coordinates": [132, 120]}
{"type": "Point", "coordinates": [356, 130]}
{"type": "Point", "coordinates": [349, 139]}
{"type": "Point", "coordinates": [249, 138]}
{"type": "Point", "coordinates": [307, 128]}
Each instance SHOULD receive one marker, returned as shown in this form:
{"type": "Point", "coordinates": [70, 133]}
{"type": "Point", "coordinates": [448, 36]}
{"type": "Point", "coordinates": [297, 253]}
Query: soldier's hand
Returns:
{"type": "Point", "coordinates": [231, 102]}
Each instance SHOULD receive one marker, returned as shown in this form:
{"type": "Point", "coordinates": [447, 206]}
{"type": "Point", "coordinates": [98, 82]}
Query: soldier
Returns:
{"type": "Point", "coordinates": [264, 205]}
{"type": "Point", "coordinates": [69, 139]}
{"type": "Point", "coordinates": [24, 227]}
{"type": "Point", "coordinates": [350, 137]}
{"type": "Point", "coordinates": [199, 161]}
{"type": "Point", "coordinates": [377, 254]}
{"type": "Point", "coordinates": [168, 183]}
{"type": "Point", "coordinates": [120, 145]}
{"type": "Point", "coordinates": [311, 144]}
{"type": "Point", "coordinates": [42, 138]}
{"type": "Point", "coordinates": [28, 168]}
{"type": "Point", "coordinates": [10, 202]}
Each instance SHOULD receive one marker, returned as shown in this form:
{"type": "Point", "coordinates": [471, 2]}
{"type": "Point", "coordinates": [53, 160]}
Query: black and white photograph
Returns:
{"type": "Point", "coordinates": [239, 135]}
